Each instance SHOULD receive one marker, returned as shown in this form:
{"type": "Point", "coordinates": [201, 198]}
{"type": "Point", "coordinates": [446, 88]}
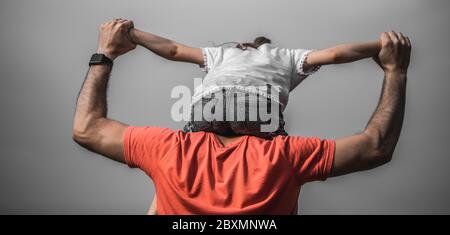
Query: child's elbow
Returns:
{"type": "Point", "coordinates": [173, 52]}
{"type": "Point", "coordinates": [334, 56]}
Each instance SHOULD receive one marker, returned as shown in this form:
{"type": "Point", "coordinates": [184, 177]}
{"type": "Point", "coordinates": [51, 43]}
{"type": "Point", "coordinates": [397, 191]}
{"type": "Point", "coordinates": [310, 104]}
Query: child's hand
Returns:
{"type": "Point", "coordinates": [133, 35]}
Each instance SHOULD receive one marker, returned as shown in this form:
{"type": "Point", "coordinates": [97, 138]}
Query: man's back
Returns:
{"type": "Point", "coordinates": [194, 173]}
{"type": "Point", "coordinates": [279, 167]}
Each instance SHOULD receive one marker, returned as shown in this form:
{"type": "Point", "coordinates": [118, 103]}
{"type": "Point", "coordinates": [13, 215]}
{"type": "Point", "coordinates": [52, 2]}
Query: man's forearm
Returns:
{"type": "Point", "coordinates": [91, 103]}
{"type": "Point", "coordinates": [161, 46]}
{"type": "Point", "coordinates": [346, 53]}
{"type": "Point", "coordinates": [386, 122]}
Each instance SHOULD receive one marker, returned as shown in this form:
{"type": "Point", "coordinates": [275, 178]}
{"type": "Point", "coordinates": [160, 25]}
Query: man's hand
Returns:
{"type": "Point", "coordinates": [114, 39]}
{"type": "Point", "coordinates": [395, 52]}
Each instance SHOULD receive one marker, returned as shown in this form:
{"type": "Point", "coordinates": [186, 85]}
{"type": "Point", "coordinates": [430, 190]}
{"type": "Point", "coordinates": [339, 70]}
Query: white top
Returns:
{"type": "Point", "coordinates": [246, 70]}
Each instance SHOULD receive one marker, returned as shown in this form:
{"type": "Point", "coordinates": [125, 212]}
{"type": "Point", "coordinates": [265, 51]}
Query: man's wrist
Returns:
{"type": "Point", "coordinates": [107, 53]}
{"type": "Point", "coordinates": [396, 75]}
{"type": "Point", "coordinates": [102, 67]}
{"type": "Point", "coordinates": [396, 72]}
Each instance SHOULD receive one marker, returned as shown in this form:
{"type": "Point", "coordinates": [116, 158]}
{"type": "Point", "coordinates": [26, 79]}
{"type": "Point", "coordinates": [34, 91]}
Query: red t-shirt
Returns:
{"type": "Point", "coordinates": [194, 173]}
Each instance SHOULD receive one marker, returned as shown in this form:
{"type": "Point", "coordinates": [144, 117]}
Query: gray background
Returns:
{"type": "Point", "coordinates": [45, 46]}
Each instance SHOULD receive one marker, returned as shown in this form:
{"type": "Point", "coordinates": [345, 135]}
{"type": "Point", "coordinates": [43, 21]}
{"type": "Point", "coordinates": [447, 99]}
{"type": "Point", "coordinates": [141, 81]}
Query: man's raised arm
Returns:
{"type": "Point", "coordinates": [91, 128]}
{"type": "Point", "coordinates": [375, 145]}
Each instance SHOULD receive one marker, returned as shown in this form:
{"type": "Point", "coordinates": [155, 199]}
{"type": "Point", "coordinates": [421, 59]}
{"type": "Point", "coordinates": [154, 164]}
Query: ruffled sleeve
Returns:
{"type": "Point", "coordinates": [211, 57]}
{"type": "Point", "coordinates": [299, 59]}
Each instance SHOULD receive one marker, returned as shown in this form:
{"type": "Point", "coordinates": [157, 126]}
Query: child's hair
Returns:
{"type": "Point", "coordinates": [255, 44]}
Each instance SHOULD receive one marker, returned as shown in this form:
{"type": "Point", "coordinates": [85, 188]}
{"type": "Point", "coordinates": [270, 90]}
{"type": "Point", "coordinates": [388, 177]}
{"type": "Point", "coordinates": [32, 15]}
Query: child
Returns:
{"type": "Point", "coordinates": [234, 76]}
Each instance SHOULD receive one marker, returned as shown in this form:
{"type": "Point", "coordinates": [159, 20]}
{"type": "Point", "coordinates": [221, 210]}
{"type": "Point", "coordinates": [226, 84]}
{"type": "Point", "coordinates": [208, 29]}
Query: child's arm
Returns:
{"type": "Point", "coordinates": [167, 48]}
{"type": "Point", "coordinates": [344, 53]}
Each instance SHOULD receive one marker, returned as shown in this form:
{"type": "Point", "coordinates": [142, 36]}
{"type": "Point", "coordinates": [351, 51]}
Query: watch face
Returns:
{"type": "Point", "coordinates": [96, 58]}
{"type": "Point", "coordinates": [99, 59]}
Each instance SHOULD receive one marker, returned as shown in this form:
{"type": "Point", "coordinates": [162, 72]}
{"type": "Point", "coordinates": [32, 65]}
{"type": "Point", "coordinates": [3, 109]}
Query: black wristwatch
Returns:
{"type": "Point", "coordinates": [100, 59]}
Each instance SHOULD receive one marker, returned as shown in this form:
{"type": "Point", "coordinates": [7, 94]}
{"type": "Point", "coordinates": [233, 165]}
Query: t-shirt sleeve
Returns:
{"type": "Point", "coordinates": [311, 158]}
{"type": "Point", "coordinates": [144, 146]}
{"type": "Point", "coordinates": [212, 56]}
{"type": "Point", "coordinates": [299, 58]}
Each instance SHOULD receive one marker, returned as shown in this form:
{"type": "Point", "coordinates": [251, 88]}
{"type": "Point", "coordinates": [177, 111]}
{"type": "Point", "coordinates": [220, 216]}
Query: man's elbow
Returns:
{"type": "Point", "coordinates": [80, 136]}
{"type": "Point", "coordinates": [380, 158]}
{"type": "Point", "coordinates": [378, 152]}
{"type": "Point", "coordinates": [84, 136]}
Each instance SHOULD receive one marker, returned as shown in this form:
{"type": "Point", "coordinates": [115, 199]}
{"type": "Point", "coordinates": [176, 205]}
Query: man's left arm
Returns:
{"type": "Point", "coordinates": [91, 128]}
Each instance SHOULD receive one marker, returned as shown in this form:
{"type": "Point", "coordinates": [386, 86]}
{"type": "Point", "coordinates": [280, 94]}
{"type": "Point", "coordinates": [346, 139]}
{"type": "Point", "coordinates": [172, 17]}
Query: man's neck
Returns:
{"type": "Point", "coordinates": [226, 140]}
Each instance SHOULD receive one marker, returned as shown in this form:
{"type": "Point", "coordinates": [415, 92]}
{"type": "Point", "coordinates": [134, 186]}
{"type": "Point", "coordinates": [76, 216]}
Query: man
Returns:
{"type": "Point", "coordinates": [204, 173]}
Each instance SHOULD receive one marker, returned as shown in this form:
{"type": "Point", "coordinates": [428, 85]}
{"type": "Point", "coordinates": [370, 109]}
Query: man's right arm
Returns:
{"type": "Point", "coordinates": [375, 145]}
{"type": "Point", "coordinates": [92, 128]}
